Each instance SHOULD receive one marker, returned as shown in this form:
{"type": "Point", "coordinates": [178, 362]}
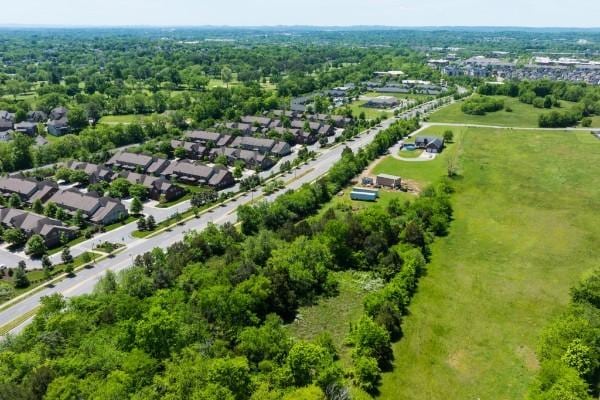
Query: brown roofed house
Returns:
{"type": "Point", "coordinates": [203, 137]}
{"type": "Point", "coordinates": [133, 162]}
{"type": "Point", "coordinates": [29, 190]}
{"type": "Point", "coordinates": [157, 187]}
{"type": "Point", "coordinates": [97, 173]}
{"type": "Point", "coordinates": [51, 230]}
{"type": "Point", "coordinates": [99, 210]}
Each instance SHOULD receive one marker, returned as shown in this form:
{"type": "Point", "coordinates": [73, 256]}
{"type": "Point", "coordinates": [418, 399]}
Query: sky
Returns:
{"type": "Point", "coordinates": [530, 13]}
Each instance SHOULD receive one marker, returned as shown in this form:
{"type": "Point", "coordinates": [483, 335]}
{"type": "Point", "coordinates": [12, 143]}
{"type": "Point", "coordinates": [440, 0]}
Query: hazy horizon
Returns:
{"type": "Point", "coordinates": [309, 13]}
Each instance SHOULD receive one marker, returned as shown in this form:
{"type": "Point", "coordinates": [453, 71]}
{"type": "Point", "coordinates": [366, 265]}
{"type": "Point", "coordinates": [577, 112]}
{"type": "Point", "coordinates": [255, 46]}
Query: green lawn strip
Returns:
{"type": "Point", "coordinates": [191, 189]}
{"type": "Point", "coordinates": [124, 119]}
{"type": "Point", "coordinates": [180, 200]}
{"type": "Point", "coordinates": [175, 220]}
{"type": "Point", "coordinates": [522, 115]}
{"type": "Point", "coordinates": [105, 248]}
{"type": "Point", "coordinates": [4, 329]}
{"type": "Point", "coordinates": [525, 229]}
{"type": "Point", "coordinates": [410, 154]}
{"type": "Point", "coordinates": [422, 97]}
{"type": "Point", "coordinates": [120, 224]}
{"type": "Point", "coordinates": [76, 241]}
{"type": "Point", "coordinates": [38, 281]}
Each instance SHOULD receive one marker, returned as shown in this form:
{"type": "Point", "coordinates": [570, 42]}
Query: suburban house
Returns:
{"type": "Point", "coordinates": [254, 159]}
{"type": "Point", "coordinates": [58, 122]}
{"type": "Point", "coordinates": [228, 152]}
{"type": "Point", "coordinates": [204, 137]}
{"type": "Point", "coordinates": [6, 136]}
{"type": "Point", "coordinates": [52, 230]}
{"type": "Point", "coordinates": [199, 174]}
{"type": "Point", "coordinates": [193, 150]}
{"type": "Point", "coordinates": [157, 187]}
{"type": "Point", "coordinates": [243, 127]}
{"type": "Point", "coordinates": [264, 146]}
{"type": "Point", "coordinates": [390, 181]}
{"type": "Point", "coordinates": [29, 190]}
{"type": "Point", "coordinates": [7, 121]}
{"type": "Point", "coordinates": [287, 114]}
{"type": "Point", "coordinates": [281, 149]}
{"type": "Point", "coordinates": [338, 120]}
{"type": "Point", "coordinates": [138, 162]}
{"type": "Point", "coordinates": [300, 136]}
{"type": "Point", "coordinates": [99, 210]}
{"type": "Point", "coordinates": [37, 116]}
{"type": "Point", "coordinates": [97, 173]}
{"type": "Point", "coordinates": [430, 144]}
{"type": "Point", "coordinates": [251, 159]}
{"type": "Point", "coordinates": [382, 102]}
{"type": "Point", "coordinates": [263, 122]}
{"type": "Point", "coordinates": [26, 127]}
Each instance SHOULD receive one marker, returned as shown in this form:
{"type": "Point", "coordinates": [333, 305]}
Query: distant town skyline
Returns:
{"type": "Point", "coordinates": [400, 13]}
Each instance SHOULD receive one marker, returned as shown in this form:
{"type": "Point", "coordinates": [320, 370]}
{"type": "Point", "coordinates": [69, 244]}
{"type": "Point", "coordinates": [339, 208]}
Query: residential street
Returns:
{"type": "Point", "coordinates": [86, 279]}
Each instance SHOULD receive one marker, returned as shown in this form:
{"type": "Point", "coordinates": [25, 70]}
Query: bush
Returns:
{"type": "Point", "coordinates": [366, 373]}
{"type": "Point", "coordinates": [586, 122]}
{"type": "Point", "coordinates": [482, 105]}
{"type": "Point", "coordinates": [558, 119]}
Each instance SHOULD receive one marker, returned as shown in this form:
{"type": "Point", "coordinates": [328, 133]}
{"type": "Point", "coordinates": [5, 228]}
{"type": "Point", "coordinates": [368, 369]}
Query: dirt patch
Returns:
{"type": "Point", "coordinates": [412, 186]}
{"type": "Point", "coordinates": [457, 360]}
{"type": "Point", "coordinates": [529, 358]}
{"type": "Point", "coordinates": [369, 171]}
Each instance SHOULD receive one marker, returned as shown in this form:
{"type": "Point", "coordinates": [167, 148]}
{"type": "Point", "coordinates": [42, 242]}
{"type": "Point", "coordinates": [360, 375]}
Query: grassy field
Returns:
{"type": "Point", "coordinates": [370, 113]}
{"type": "Point", "coordinates": [343, 200]}
{"type": "Point", "coordinates": [401, 95]}
{"type": "Point", "coordinates": [522, 116]}
{"type": "Point", "coordinates": [596, 122]}
{"type": "Point", "coordinates": [122, 119]}
{"type": "Point", "coordinates": [333, 314]}
{"type": "Point", "coordinates": [525, 229]}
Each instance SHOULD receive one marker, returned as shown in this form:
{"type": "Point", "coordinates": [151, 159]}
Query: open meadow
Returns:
{"type": "Point", "coordinates": [525, 230]}
{"type": "Point", "coordinates": [522, 115]}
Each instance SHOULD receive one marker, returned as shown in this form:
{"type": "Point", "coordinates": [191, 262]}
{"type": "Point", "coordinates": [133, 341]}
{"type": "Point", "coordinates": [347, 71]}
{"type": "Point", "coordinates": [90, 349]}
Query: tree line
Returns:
{"type": "Point", "coordinates": [569, 348]}
{"type": "Point", "coordinates": [549, 94]}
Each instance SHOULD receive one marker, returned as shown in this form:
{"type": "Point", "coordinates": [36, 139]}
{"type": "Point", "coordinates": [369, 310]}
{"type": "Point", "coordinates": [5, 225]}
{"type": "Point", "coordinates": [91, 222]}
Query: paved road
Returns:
{"type": "Point", "coordinates": [86, 279]}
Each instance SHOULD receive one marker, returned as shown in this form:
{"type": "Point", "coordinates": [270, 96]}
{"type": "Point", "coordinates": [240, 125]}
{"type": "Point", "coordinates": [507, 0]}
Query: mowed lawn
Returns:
{"type": "Point", "coordinates": [357, 107]}
{"type": "Point", "coordinates": [526, 228]}
{"type": "Point", "coordinates": [424, 172]}
{"type": "Point", "coordinates": [123, 119]}
{"type": "Point", "coordinates": [522, 115]}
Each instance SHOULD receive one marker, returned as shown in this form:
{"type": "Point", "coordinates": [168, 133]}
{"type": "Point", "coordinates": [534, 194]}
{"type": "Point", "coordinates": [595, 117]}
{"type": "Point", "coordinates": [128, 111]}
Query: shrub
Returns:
{"type": "Point", "coordinates": [482, 105]}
